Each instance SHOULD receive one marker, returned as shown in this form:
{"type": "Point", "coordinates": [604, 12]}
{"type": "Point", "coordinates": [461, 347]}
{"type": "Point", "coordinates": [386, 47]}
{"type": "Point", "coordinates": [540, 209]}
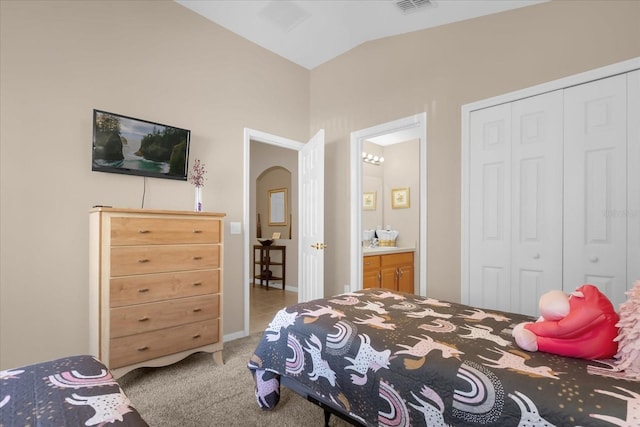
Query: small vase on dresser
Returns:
{"type": "Point", "coordinates": [155, 286]}
{"type": "Point", "coordinates": [198, 202]}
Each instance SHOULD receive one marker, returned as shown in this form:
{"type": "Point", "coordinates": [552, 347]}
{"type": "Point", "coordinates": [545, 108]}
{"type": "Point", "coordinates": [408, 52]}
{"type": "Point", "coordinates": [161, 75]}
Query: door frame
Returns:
{"type": "Point", "coordinates": [418, 122]}
{"type": "Point", "coordinates": [266, 138]}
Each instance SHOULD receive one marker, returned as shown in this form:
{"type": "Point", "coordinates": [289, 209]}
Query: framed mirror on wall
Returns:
{"type": "Point", "coordinates": [278, 206]}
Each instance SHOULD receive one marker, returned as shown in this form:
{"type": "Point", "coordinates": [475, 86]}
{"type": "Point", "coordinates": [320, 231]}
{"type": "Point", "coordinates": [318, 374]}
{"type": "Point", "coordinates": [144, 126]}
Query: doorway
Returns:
{"type": "Point", "coordinates": [310, 170]}
{"type": "Point", "coordinates": [412, 127]}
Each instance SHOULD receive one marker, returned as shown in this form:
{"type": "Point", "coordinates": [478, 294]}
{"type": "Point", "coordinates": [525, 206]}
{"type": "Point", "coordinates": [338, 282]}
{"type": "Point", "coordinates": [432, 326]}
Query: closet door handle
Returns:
{"type": "Point", "coordinates": [536, 256]}
{"type": "Point", "coordinates": [593, 259]}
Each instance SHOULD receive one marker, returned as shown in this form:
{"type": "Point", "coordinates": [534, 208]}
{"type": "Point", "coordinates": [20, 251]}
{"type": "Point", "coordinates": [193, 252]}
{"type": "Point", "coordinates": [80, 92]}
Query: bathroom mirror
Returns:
{"type": "Point", "coordinates": [278, 206]}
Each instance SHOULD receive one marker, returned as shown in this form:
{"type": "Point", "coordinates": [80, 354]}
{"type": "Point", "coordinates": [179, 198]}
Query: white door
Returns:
{"type": "Point", "coordinates": [490, 208]}
{"type": "Point", "coordinates": [595, 150]}
{"type": "Point", "coordinates": [536, 195]}
{"type": "Point", "coordinates": [311, 225]}
{"type": "Point", "coordinates": [633, 171]}
{"type": "Point", "coordinates": [515, 192]}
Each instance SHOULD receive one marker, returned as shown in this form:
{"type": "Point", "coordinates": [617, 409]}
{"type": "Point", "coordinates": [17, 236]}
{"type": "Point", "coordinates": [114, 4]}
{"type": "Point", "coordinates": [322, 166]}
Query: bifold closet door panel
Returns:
{"type": "Point", "coordinates": [633, 172]}
{"type": "Point", "coordinates": [536, 185]}
{"type": "Point", "coordinates": [595, 186]}
{"type": "Point", "coordinates": [515, 228]}
{"type": "Point", "coordinates": [490, 208]}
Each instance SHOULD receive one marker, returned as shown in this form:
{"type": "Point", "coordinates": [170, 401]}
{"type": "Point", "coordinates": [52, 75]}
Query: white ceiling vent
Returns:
{"type": "Point", "coordinates": [410, 6]}
{"type": "Point", "coordinates": [284, 14]}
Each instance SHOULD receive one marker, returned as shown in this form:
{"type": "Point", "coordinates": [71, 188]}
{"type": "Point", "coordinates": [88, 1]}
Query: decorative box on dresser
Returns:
{"type": "Point", "coordinates": [155, 286]}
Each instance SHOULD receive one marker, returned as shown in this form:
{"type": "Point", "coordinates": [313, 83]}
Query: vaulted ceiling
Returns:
{"type": "Point", "coordinates": [311, 32]}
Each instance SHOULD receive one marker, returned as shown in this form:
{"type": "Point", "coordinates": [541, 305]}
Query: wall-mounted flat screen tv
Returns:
{"type": "Point", "coordinates": [131, 146]}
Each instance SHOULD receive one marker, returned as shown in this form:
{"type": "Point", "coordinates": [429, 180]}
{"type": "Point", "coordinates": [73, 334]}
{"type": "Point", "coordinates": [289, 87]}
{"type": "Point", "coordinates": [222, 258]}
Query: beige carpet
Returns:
{"type": "Point", "coordinates": [196, 392]}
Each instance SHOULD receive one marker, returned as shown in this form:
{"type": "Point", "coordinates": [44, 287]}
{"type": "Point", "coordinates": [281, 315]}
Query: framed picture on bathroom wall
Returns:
{"type": "Point", "coordinates": [369, 201]}
{"type": "Point", "coordinates": [400, 198]}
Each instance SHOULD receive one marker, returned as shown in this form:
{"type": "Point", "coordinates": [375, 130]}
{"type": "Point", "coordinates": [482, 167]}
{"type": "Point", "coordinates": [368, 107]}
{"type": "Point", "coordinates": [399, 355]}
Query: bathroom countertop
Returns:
{"type": "Point", "coordinates": [386, 250]}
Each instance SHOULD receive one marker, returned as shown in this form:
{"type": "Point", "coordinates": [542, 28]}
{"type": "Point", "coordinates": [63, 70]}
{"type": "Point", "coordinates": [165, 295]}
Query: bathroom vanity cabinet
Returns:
{"type": "Point", "coordinates": [392, 271]}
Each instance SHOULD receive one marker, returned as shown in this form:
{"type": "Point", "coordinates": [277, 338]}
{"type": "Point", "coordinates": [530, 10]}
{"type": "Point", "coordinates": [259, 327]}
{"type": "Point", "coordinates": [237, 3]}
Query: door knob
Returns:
{"type": "Point", "coordinates": [319, 246]}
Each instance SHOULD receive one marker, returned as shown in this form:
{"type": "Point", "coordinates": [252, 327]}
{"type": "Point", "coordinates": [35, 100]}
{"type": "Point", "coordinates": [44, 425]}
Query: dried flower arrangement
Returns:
{"type": "Point", "coordinates": [198, 173]}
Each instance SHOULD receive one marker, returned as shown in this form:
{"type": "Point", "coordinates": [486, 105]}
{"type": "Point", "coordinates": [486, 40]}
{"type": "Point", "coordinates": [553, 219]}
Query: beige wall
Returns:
{"type": "Point", "coordinates": [402, 170]}
{"type": "Point", "coordinates": [161, 62]}
{"type": "Point", "coordinates": [154, 60]}
{"type": "Point", "coordinates": [437, 71]}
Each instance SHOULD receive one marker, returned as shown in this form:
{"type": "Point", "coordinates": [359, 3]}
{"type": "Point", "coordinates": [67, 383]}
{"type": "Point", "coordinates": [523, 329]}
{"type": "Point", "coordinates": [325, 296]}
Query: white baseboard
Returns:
{"type": "Point", "coordinates": [234, 336]}
{"type": "Point", "coordinates": [277, 285]}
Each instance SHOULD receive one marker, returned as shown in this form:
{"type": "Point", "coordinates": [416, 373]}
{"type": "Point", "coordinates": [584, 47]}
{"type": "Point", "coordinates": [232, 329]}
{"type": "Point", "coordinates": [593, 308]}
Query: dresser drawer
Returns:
{"type": "Point", "coordinates": [158, 231]}
{"type": "Point", "coordinates": [136, 319]}
{"type": "Point", "coordinates": [132, 290]}
{"type": "Point", "coordinates": [130, 260]}
{"type": "Point", "coordinates": [138, 348]}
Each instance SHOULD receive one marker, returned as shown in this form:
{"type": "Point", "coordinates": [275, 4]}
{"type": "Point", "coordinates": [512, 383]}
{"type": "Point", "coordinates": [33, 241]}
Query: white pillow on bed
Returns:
{"type": "Point", "coordinates": [628, 356]}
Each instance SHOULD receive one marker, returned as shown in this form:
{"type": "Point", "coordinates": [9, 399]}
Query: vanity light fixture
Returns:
{"type": "Point", "coordinates": [372, 159]}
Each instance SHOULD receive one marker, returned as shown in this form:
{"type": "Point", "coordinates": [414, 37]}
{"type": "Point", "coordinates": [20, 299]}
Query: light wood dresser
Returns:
{"type": "Point", "coordinates": [156, 286]}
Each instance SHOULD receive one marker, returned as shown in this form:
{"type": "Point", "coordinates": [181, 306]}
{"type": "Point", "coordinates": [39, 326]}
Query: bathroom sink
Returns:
{"type": "Point", "coordinates": [386, 250]}
{"type": "Point", "coordinates": [376, 249]}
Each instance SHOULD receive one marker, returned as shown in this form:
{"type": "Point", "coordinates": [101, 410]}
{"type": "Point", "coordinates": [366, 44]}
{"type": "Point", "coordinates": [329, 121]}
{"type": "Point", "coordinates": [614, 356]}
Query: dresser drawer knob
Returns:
{"type": "Point", "coordinates": [143, 290]}
{"type": "Point", "coordinates": [196, 336]}
{"type": "Point", "coordinates": [195, 310]}
{"type": "Point", "coordinates": [144, 231]}
{"type": "Point", "coordinates": [143, 260]}
{"type": "Point", "coordinates": [197, 283]}
{"type": "Point", "coordinates": [197, 231]}
{"type": "Point", "coordinates": [143, 348]}
{"type": "Point", "coordinates": [197, 258]}
{"type": "Point", "coordinates": [143, 319]}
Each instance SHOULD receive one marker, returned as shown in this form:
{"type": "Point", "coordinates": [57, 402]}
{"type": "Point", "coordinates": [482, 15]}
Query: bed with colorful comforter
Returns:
{"type": "Point", "coordinates": [383, 358]}
{"type": "Point", "coordinates": [72, 391]}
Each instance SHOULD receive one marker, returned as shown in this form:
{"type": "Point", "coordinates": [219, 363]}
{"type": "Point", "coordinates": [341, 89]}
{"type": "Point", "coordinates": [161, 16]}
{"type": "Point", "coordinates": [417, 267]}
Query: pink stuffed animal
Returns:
{"type": "Point", "coordinates": [581, 325]}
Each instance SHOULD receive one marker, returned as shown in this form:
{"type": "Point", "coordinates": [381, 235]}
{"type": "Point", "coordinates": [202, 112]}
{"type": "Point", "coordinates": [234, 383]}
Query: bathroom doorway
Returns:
{"type": "Point", "coordinates": [408, 128]}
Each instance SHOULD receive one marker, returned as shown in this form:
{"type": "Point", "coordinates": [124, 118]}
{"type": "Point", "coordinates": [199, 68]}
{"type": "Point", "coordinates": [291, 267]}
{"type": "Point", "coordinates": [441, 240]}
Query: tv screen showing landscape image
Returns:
{"type": "Point", "coordinates": [131, 146]}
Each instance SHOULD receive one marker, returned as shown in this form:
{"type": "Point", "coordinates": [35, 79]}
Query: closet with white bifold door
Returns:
{"type": "Point", "coordinates": [551, 190]}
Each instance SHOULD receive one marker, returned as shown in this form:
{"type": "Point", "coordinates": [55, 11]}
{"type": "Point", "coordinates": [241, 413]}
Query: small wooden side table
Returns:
{"type": "Point", "coordinates": [265, 262]}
